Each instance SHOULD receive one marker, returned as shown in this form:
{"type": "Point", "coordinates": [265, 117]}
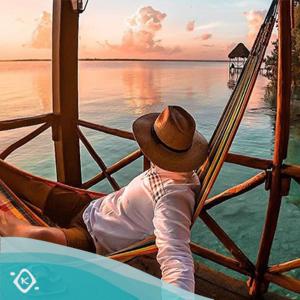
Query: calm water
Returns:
{"type": "Point", "coordinates": [116, 93]}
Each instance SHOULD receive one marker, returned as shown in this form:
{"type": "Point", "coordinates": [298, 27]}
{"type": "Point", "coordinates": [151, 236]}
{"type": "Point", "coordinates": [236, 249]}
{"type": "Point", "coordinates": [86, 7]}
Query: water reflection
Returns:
{"type": "Point", "coordinates": [140, 89]}
{"type": "Point", "coordinates": [43, 86]}
{"type": "Point", "coordinates": [115, 93]}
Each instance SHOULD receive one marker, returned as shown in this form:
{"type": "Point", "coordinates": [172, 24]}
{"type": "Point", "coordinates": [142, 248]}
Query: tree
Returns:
{"type": "Point", "coordinates": [271, 60]}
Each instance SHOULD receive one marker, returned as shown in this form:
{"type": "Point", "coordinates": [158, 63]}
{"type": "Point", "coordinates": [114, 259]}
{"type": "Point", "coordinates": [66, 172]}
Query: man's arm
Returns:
{"type": "Point", "coordinates": [172, 221]}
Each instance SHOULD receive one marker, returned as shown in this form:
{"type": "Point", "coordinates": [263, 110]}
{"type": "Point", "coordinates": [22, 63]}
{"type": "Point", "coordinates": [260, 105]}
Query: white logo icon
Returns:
{"type": "Point", "coordinates": [24, 281]}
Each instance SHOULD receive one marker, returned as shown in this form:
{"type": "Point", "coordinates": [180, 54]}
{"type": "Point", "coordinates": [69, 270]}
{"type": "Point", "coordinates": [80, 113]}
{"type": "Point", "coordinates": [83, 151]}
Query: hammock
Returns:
{"type": "Point", "coordinates": [225, 131]}
{"type": "Point", "coordinates": [218, 146]}
{"type": "Point", "coordinates": [11, 203]}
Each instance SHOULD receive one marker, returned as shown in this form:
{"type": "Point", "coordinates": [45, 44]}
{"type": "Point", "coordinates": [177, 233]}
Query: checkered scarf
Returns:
{"type": "Point", "coordinates": [156, 184]}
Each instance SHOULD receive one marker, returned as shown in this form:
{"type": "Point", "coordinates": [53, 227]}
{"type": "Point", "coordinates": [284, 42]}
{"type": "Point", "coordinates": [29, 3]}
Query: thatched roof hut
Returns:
{"type": "Point", "coordinates": [239, 51]}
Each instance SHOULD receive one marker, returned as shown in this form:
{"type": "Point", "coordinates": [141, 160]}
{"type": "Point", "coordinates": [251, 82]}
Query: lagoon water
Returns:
{"type": "Point", "coordinates": [116, 93]}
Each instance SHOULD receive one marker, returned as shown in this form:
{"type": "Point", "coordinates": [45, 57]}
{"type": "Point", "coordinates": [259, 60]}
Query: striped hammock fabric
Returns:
{"type": "Point", "coordinates": [11, 203]}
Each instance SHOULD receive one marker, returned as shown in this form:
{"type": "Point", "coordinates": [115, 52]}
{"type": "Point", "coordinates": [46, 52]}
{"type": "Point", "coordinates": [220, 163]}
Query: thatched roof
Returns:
{"type": "Point", "coordinates": [239, 51]}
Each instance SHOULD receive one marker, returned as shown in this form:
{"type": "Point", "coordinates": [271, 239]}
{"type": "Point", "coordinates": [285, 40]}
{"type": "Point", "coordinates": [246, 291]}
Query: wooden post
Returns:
{"type": "Point", "coordinates": [65, 92]}
{"type": "Point", "coordinates": [280, 147]}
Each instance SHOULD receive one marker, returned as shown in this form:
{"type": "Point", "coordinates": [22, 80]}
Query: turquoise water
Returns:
{"type": "Point", "coordinates": [54, 272]}
{"type": "Point", "coordinates": [116, 93]}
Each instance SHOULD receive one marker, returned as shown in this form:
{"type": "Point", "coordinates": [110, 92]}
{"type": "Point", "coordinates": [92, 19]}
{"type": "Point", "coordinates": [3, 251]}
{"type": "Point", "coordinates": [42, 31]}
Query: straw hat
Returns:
{"type": "Point", "coordinates": [170, 139]}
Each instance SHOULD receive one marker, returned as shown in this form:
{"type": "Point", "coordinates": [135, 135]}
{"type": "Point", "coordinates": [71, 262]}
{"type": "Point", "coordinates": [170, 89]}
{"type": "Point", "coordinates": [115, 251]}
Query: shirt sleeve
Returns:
{"type": "Point", "coordinates": [172, 221]}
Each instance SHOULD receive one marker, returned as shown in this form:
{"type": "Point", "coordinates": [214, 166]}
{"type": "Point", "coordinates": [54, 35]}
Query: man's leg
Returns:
{"type": "Point", "coordinates": [76, 236]}
{"type": "Point", "coordinates": [60, 204]}
{"type": "Point", "coordinates": [11, 226]}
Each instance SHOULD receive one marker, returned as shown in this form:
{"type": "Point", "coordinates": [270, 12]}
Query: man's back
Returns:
{"type": "Point", "coordinates": [126, 216]}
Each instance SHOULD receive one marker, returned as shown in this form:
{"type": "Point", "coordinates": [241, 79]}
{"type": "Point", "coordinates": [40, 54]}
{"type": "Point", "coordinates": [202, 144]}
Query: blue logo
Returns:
{"type": "Point", "coordinates": [24, 281]}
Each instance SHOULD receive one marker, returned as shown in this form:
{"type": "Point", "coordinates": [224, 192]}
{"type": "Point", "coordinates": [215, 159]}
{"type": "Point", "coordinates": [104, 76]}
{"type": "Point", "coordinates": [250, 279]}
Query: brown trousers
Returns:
{"type": "Point", "coordinates": [62, 206]}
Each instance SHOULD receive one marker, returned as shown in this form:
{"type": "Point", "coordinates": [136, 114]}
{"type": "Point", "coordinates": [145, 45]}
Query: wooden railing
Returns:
{"type": "Point", "coordinates": [239, 262]}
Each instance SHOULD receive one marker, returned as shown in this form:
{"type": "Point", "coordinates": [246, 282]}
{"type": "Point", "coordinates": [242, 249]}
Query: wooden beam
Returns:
{"type": "Point", "coordinates": [98, 160]}
{"type": "Point", "coordinates": [113, 131]}
{"type": "Point", "coordinates": [24, 140]}
{"type": "Point", "coordinates": [249, 161]}
{"type": "Point", "coordinates": [284, 281]}
{"type": "Point", "coordinates": [292, 171]}
{"type": "Point", "coordinates": [65, 91]}
{"type": "Point", "coordinates": [237, 190]}
{"type": "Point", "coordinates": [25, 122]}
{"type": "Point", "coordinates": [222, 236]}
{"type": "Point", "coordinates": [285, 267]}
{"type": "Point", "coordinates": [280, 147]}
{"type": "Point", "coordinates": [113, 168]}
{"type": "Point", "coordinates": [218, 258]}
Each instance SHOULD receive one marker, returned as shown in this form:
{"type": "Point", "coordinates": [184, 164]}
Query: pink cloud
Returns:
{"type": "Point", "coordinates": [41, 37]}
{"type": "Point", "coordinates": [190, 26]}
{"type": "Point", "coordinates": [254, 19]}
{"type": "Point", "coordinates": [206, 36]}
{"type": "Point", "coordinates": [140, 36]}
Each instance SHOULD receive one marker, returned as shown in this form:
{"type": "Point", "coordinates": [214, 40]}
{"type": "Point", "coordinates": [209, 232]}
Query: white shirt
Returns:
{"type": "Point", "coordinates": [156, 202]}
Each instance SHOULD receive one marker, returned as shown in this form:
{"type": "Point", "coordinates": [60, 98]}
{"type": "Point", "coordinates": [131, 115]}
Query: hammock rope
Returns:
{"type": "Point", "coordinates": [225, 131]}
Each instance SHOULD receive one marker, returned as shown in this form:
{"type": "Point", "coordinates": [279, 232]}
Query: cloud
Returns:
{"type": "Point", "coordinates": [206, 36]}
{"type": "Point", "coordinates": [140, 36]}
{"type": "Point", "coordinates": [208, 26]}
{"type": "Point", "coordinates": [41, 37]}
{"type": "Point", "coordinates": [190, 26]}
{"type": "Point", "coordinates": [254, 19]}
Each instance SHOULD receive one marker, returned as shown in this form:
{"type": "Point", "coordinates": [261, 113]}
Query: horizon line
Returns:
{"type": "Point", "coordinates": [118, 59]}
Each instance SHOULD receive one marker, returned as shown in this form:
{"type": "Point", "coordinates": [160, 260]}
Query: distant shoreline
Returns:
{"type": "Point", "coordinates": [120, 59]}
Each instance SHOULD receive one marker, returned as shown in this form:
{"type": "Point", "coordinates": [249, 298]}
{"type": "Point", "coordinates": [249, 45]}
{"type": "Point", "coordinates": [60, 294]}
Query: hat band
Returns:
{"type": "Point", "coordinates": [158, 140]}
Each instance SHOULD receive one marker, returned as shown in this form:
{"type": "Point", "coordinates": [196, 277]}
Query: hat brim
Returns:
{"type": "Point", "coordinates": [163, 157]}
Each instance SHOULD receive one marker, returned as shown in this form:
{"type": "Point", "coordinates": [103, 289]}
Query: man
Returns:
{"type": "Point", "coordinates": [161, 200]}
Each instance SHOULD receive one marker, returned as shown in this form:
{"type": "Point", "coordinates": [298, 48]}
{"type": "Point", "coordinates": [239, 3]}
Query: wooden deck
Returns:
{"type": "Point", "coordinates": [209, 283]}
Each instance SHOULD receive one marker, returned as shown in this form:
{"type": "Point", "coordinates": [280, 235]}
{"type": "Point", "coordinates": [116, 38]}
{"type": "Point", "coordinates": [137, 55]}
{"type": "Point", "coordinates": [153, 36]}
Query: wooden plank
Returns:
{"type": "Point", "coordinates": [249, 161]}
{"type": "Point", "coordinates": [24, 140]}
{"type": "Point", "coordinates": [25, 122]}
{"type": "Point", "coordinates": [113, 168]}
{"type": "Point", "coordinates": [280, 147]}
{"type": "Point", "coordinates": [284, 281]}
{"type": "Point", "coordinates": [208, 282]}
{"type": "Point", "coordinates": [113, 131]}
{"type": "Point", "coordinates": [221, 259]}
{"type": "Point", "coordinates": [237, 190]}
{"type": "Point", "coordinates": [285, 267]}
{"type": "Point", "coordinates": [98, 160]}
{"type": "Point", "coordinates": [222, 236]}
{"type": "Point", "coordinates": [292, 171]}
{"type": "Point", "coordinates": [65, 92]}
{"type": "Point", "coordinates": [218, 258]}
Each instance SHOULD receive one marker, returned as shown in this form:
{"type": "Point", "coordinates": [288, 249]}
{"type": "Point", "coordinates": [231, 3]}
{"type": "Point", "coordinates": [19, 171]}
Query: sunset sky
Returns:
{"type": "Point", "coordinates": [189, 29]}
